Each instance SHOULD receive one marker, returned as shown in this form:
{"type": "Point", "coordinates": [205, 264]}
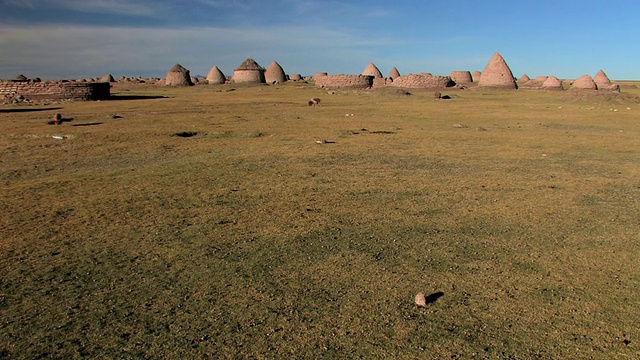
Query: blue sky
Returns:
{"type": "Point", "coordinates": [90, 38]}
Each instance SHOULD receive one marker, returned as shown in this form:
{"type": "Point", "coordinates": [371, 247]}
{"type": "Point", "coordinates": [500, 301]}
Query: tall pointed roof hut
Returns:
{"type": "Point", "coordinates": [601, 79]}
{"type": "Point", "coordinates": [394, 73]}
{"type": "Point", "coordinates": [584, 82]}
{"type": "Point", "coordinates": [275, 74]}
{"type": "Point", "coordinates": [216, 76]}
{"type": "Point", "coordinates": [178, 76]}
{"type": "Point", "coordinates": [497, 75]}
{"type": "Point", "coordinates": [248, 72]}
{"type": "Point", "coordinates": [372, 70]}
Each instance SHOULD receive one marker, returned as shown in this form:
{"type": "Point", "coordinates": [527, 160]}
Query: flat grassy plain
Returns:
{"type": "Point", "coordinates": [279, 230]}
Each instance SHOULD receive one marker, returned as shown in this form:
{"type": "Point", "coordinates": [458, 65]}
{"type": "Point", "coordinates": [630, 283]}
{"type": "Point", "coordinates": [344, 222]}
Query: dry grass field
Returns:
{"type": "Point", "coordinates": [208, 223]}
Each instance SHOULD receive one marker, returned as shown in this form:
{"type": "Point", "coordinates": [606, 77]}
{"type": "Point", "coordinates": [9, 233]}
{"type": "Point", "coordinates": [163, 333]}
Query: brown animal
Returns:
{"type": "Point", "coordinates": [437, 95]}
{"type": "Point", "coordinates": [314, 101]}
{"type": "Point", "coordinates": [57, 119]}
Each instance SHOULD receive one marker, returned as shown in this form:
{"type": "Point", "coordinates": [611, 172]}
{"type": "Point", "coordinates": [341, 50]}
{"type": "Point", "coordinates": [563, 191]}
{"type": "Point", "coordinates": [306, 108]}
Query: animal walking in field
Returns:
{"type": "Point", "coordinates": [57, 119]}
{"type": "Point", "coordinates": [314, 102]}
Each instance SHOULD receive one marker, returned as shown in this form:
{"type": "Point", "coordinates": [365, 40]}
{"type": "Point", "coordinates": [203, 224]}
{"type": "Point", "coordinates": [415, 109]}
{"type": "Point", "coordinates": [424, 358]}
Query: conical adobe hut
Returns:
{"type": "Point", "coordinates": [552, 83]}
{"type": "Point", "coordinates": [394, 73]}
{"type": "Point", "coordinates": [584, 82]}
{"type": "Point", "coordinates": [178, 76]}
{"type": "Point", "coordinates": [497, 75]}
{"type": "Point", "coordinates": [461, 77]}
{"type": "Point", "coordinates": [372, 70]}
{"type": "Point", "coordinates": [275, 74]}
{"type": "Point", "coordinates": [248, 72]}
{"type": "Point", "coordinates": [601, 79]}
{"type": "Point", "coordinates": [524, 78]}
{"type": "Point", "coordinates": [216, 76]}
{"type": "Point", "coordinates": [107, 78]}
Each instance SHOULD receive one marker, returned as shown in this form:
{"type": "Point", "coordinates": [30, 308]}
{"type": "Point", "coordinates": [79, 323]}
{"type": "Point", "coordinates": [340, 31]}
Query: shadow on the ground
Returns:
{"type": "Point", "coordinates": [88, 124]}
{"type": "Point", "coordinates": [62, 120]}
{"type": "Point", "coordinates": [28, 110]}
{"type": "Point", "coordinates": [434, 297]}
{"type": "Point", "coordinates": [136, 97]}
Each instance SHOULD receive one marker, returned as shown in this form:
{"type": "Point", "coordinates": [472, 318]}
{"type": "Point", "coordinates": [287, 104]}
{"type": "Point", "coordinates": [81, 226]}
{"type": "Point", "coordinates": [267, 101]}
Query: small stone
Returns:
{"type": "Point", "coordinates": [421, 300]}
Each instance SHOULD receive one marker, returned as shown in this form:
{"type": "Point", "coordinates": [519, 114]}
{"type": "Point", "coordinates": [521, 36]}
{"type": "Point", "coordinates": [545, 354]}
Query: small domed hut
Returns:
{"type": "Point", "coordinates": [248, 72]}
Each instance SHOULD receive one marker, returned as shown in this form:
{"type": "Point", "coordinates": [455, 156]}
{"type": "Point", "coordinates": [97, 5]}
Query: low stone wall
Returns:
{"type": "Point", "coordinates": [344, 81]}
{"type": "Point", "coordinates": [422, 81]}
{"type": "Point", "coordinates": [20, 91]}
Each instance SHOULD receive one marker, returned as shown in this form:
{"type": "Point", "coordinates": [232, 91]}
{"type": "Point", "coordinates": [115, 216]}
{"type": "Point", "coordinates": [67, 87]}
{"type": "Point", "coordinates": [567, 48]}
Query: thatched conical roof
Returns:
{"type": "Point", "coordinates": [215, 76]}
{"type": "Point", "coordinates": [178, 76]}
{"type": "Point", "coordinates": [372, 70]}
{"type": "Point", "coordinates": [601, 79]}
{"type": "Point", "coordinates": [497, 74]}
{"type": "Point", "coordinates": [275, 73]}
{"type": "Point", "coordinates": [249, 64]}
{"type": "Point", "coordinates": [584, 82]}
{"type": "Point", "coordinates": [394, 73]}
{"type": "Point", "coordinates": [552, 83]}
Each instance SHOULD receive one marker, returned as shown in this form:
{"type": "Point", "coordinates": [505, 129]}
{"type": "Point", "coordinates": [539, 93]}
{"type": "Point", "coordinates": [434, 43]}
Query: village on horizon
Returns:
{"type": "Point", "coordinates": [496, 75]}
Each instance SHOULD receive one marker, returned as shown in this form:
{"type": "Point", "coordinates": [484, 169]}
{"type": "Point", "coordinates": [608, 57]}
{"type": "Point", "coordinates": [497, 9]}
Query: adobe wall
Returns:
{"type": "Point", "coordinates": [380, 82]}
{"type": "Point", "coordinates": [18, 91]}
{"type": "Point", "coordinates": [248, 76]}
{"type": "Point", "coordinates": [422, 81]}
{"type": "Point", "coordinates": [344, 81]}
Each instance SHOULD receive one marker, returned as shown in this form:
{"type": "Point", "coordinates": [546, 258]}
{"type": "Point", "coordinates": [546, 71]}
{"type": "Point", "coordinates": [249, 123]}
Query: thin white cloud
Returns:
{"type": "Point", "coordinates": [143, 8]}
{"type": "Point", "coordinates": [52, 51]}
{"type": "Point", "coordinates": [227, 4]}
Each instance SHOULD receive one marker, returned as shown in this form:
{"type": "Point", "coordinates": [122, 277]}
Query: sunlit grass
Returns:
{"type": "Point", "coordinates": [279, 230]}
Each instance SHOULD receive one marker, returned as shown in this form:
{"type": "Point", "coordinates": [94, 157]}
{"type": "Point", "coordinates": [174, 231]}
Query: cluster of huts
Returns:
{"type": "Point", "coordinates": [247, 72]}
{"type": "Point", "coordinates": [496, 75]}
